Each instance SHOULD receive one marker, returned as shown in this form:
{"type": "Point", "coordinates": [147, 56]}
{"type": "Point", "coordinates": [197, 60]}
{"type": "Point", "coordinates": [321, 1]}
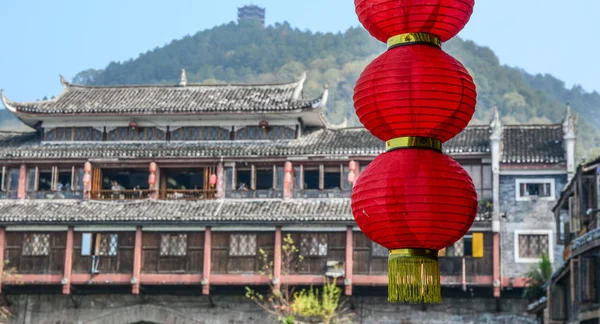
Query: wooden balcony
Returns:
{"type": "Point", "coordinates": [120, 194]}
{"type": "Point", "coordinates": [166, 194]}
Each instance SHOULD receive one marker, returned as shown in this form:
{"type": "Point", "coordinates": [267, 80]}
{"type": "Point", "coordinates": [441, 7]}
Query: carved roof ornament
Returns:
{"type": "Point", "coordinates": [570, 123]}
{"type": "Point", "coordinates": [63, 81]}
{"type": "Point", "coordinates": [183, 81]}
{"type": "Point", "coordinates": [496, 125]}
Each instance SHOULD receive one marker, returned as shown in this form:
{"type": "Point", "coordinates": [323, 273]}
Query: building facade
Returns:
{"type": "Point", "coordinates": [573, 290]}
{"type": "Point", "coordinates": [156, 190]}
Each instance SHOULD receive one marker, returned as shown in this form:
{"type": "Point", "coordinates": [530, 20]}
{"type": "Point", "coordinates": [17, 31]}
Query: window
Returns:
{"type": "Point", "coordinates": [173, 244]}
{"type": "Point", "coordinates": [200, 133]}
{"type": "Point", "coordinates": [242, 245]}
{"type": "Point", "coordinates": [266, 133]}
{"type": "Point", "coordinates": [528, 189]}
{"type": "Point", "coordinates": [99, 244]}
{"type": "Point", "coordinates": [244, 179]}
{"type": "Point", "coordinates": [378, 250]}
{"type": "Point", "coordinates": [332, 178]}
{"type": "Point", "coordinates": [531, 245]}
{"type": "Point", "coordinates": [313, 245]}
{"type": "Point", "coordinates": [588, 279]}
{"type": "Point", "coordinates": [136, 134]}
{"type": "Point", "coordinates": [311, 179]}
{"type": "Point", "coordinates": [471, 245]}
{"type": "Point", "coordinates": [36, 244]}
{"type": "Point", "coordinates": [264, 179]}
{"type": "Point", "coordinates": [10, 179]}
{"type": "Point", "coordinates": [482, 179]}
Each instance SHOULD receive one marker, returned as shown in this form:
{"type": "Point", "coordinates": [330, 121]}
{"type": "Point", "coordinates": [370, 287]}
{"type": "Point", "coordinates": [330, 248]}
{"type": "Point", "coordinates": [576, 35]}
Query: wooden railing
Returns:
{"type": "Point", "coordinates": [189, 194]}
{"type": "Point", "coordinates": [120, 194]}
{"type": "Point", "coordinates": [12, 194]}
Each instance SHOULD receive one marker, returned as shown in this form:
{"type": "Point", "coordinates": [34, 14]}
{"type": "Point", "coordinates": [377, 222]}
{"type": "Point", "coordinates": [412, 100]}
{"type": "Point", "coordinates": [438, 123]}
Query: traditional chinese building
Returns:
{"type": "Point", "coordinates": [573, 290]}
{"type": "Point", "coordinates": [126, 193]}
{"type": "Point", "coordinates": [252, 12]}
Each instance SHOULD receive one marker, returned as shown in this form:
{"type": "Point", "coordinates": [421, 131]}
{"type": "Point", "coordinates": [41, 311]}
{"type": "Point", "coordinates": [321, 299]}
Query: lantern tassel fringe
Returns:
{"type": "Point", "coordinates": [414, 279]}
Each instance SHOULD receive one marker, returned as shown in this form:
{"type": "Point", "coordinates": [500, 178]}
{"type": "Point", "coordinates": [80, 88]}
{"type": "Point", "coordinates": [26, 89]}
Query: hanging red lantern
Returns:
{"type": "Point", "coordinates": [415, 90]}
{"type": "Point", "coordinates": [352, 165]}
{"type": "Point", "coordinates": [86, 179]}
{"type": "Point", "coordinates": [152, 179]}
{"type": "Point", "coordinates": [213, 179]}
{"type": "Point", "coordinates": [351, 177]}
{"type": "Point", "coordinates": [153, 167]}
{"type": "Point", "coordinates": [87, 167]}
{"type": "Point", "coordinates": [414, 202]}
{"type": "Point", "coordinates": [287, 166]}
{"type": "Point", "coordinates": [387, 18]}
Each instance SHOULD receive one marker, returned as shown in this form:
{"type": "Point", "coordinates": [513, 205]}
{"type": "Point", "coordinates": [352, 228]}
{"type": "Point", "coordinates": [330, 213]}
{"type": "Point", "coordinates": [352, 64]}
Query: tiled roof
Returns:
{"type": "Point", "coordinates": [154, 211]}
{"type": "Point", "coordinates": [325, 142]}
{"type": "Point", "coordinates": [521, 144]}
{"type": "Point", "coordinates": [161, 99]}
{"type": "Point", "coordinates": [533, 144]}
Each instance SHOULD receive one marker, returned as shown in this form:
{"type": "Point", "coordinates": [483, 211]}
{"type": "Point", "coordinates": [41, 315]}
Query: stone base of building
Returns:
{"type": "Point", "coordinates": [227, 309]}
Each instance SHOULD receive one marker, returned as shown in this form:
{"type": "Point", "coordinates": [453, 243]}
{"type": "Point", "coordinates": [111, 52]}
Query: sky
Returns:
{"type": "Point", "coordinates": [41, 39]}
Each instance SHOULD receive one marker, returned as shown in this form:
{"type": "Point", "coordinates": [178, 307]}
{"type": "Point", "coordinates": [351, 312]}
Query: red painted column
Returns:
{"type": "Point", "coordinates": [349, 252]}
{"type": "Point", "coordinates": [137, 262]}
{"type": "Point", "coordinates": [497, 282]}
{"type": "Point", "coordinates": [277, 260]}
{"type": "Point", "coordinates": [66, 280]}
{"type": "Point", "coordinates": [2, 244]}
{"type": "Point", "coordinates": [207, 264]}
{"type": "Point", "coordinates": [22, 191]}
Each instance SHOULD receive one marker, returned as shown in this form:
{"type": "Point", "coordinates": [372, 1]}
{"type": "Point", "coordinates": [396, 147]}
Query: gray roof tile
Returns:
{"type": "Point", "coordinates": [533, 144]}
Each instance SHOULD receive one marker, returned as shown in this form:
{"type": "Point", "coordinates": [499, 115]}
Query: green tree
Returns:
{"type": "Point", "coordinates": [305, 306]}
{"type": "Point", "coordinates": [536, 278]}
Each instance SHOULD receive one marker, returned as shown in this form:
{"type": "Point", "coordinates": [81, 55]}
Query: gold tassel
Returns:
{"type": "Point", "coordinates": [414, 276]}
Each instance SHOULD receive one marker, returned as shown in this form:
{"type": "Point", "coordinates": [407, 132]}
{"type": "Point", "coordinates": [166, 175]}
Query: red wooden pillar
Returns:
{"type": "Point", "coordinates": [207, 264]}
{"type": "Point", "coordinates": [66, 280]}
{"type": "Point", "coordinates": [277, 260]}
{"type": "Point", "coordinates": [2, 243]}
{"type": "Point", "coordinates": [137, 262]}
{"type": "Point", "coordinates": [22, 190]}
{"type": "Point", "coordinates": [349, 252]}
{"type": "Point", "coordinates": [496, 264]}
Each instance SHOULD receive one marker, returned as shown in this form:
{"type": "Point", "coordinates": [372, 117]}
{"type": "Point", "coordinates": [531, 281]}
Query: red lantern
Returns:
{"type": "Point", "coordinates": [287, 178]}
{"type": "Point", "coordinates": [87, 167]}
{"type": "Point", "coordinates": [414, 202]}
{"type": "Point", "coordinates": [213, 179]}
{"type": "Point", "coordinates": [86, 179]}
{"type": "Point", "coordinates": [351, 177]}
{"type": "Point", "coordinates": [151, 179]}
{"type": "Point", "coordinates": [153, 167]}
{"type": "Point", "coordinates": [352, 165]}
{"type": "Point", "coordinates": [387, 18]}
{"type": "Point", "coordinates": [288, 166]}
{"type": "Point", "coordinates": [415, 90]}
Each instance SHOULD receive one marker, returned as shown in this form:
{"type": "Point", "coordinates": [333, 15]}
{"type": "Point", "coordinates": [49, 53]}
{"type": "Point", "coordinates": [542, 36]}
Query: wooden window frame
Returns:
{"type": "Point", "coordinates": [518, 233]}
{"type": "Point", "coordinates": [543, 181]}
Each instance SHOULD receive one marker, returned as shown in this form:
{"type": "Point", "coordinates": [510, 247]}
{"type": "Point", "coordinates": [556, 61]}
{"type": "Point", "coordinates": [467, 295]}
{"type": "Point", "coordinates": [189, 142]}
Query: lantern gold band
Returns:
{"type": "Point", "coordinates": [420, 253]}
{"type": "Point", "coordinates": [413, 142]}
{"type": "Point", "coordinates": [414, 38]}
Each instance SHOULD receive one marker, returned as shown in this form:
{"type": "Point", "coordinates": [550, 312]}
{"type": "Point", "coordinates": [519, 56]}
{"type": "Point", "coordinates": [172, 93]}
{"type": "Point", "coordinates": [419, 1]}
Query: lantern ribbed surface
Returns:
{"type": "Point", "coordinates": [414, 198]}
{"type": "Point", "coordinates": [386, 18]}
{"type": "Point", "coordinates": [416, 90]}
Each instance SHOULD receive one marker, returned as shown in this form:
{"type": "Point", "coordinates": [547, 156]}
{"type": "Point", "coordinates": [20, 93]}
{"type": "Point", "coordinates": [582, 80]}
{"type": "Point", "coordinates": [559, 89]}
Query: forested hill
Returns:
{"type": "Point", "coordinates": [246, 52]}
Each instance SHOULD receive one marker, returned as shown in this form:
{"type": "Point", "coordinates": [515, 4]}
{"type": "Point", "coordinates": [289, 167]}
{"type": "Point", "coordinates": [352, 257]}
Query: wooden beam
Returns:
{"type": "Point", "coordinates": [22, 189]}
{"type": "Point", "coordinates": [349, 265]}
{"type": "Point", "coordinates": [2, 245]}
{"type": "Point", "coordinates": [66, 280]}
{"type": "Point", "coordinates": [207, 259]}
{"type": "Point", "coordinates": [277, 260]}
{"type": "Point", "coordinates": [137, 262]}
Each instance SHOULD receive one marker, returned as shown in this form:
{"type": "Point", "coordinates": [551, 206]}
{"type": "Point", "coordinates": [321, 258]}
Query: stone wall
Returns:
{"type": "Point", "coordinates": [525, 215]}
{"type": "Point", "coordinates": [116, 309]}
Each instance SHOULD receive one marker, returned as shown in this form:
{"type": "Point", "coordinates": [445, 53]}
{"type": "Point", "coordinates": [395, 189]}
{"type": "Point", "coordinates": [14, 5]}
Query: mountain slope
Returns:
{"type": "Point", "coordinates": [249, 53]}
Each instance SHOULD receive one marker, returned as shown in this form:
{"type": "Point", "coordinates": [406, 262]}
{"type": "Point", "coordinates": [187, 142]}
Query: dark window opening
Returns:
{"type": "Point", "coordinates": [127, 179]}
{"type": "Point", "coordinates": [311, 179]}
{"type": "Point", "coordinates": [185, 179]}
{"type": "Point", "coordinates": [64, 180]}
{"type": "Point", "coordinates": [332, 180]}
{"type": "Point", "coordinates": [468, 245]}
{"type": "Point", "coordinates": [264, 179]}
{"type": "Point", "coordinates": [45, 181]}
{"type": "Point", "coordinates": [244, 177]}
{"type": "Point", "coordinates": [535, 189]}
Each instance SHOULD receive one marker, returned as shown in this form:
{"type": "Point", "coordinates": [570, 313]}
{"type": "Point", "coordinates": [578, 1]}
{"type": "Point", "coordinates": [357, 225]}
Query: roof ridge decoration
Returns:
{"type": "Point", "coordinates": [299, 87]}
{"type": "Point", "coordinates": [183, 82]}
{"type": "Point", "coordinates": [64, 81]}
{"type": "Point", "coordinates": [496, 125]}
{"type": "Point", "coordinates": [569, 125]}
